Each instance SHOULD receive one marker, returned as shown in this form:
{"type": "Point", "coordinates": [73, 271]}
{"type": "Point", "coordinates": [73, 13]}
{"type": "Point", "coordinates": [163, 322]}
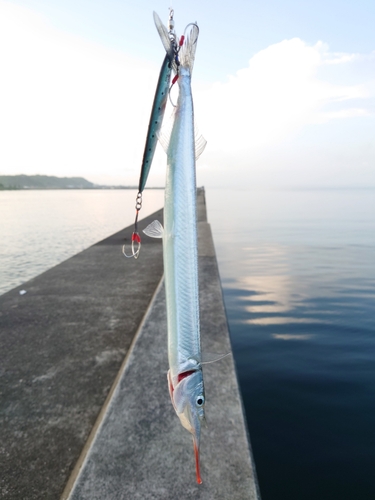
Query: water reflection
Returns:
{"type": "Point", "coordinates": [300, 297]}
{"type": "Point", "coordinates": [280, 321]}
{"type": "Point", "coordinates": [288, 336]}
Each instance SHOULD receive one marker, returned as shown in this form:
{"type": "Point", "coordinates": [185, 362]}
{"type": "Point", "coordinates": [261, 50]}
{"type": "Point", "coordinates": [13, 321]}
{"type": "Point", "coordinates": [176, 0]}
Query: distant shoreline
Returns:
{"type": "Point", "coordinates": [42, 182]}
{"type": "Point", "coordinates": [96, 188]}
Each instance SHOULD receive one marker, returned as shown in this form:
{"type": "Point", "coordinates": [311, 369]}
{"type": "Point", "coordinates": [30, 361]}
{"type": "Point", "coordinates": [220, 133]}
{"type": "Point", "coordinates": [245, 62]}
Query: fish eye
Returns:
{"type": "Point", "coordinates": [200, 400]}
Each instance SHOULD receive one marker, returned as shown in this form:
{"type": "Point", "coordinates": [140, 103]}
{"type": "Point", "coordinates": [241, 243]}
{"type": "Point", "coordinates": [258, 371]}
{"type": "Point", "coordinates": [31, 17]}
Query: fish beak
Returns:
{"type": "Point", "coordinates": [192, 423]}
{"type": "Point", "coordinates": [188, 401]}
{"type": "Point", "coordinates": [196, 452]}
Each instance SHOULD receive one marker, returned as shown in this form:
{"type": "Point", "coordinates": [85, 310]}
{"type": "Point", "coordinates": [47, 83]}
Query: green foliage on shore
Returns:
{"type": "Point", "coordinates": [15, 182]}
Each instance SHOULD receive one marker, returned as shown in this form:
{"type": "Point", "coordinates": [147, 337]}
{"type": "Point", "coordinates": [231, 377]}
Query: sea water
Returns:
{"type": "Point", "coordinates": [39, 229]}
{"type": "Point", "coordinates": [298, 276]}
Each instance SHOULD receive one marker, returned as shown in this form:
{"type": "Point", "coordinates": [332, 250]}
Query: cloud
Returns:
{"type": "Point", "coordinates": [68, 105]}
{"type": "Point", "coordinates": [72, 107]}
{"type": "Point", "coordinates": [279, 93]}
{"type": "Point", "coordinates": [288, 89]}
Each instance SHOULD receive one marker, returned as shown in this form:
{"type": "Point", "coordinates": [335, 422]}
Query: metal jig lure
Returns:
{"type": "Point", "coordinates": [156, 119]}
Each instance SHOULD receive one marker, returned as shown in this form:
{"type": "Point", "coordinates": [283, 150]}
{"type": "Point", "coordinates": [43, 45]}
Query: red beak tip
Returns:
{"type": "Point", "coordinates": [197, 468]}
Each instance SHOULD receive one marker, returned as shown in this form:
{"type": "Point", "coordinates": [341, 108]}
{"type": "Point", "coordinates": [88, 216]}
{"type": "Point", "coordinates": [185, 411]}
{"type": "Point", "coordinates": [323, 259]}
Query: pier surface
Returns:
{"type": "Point", "coordinates": [84, 405]}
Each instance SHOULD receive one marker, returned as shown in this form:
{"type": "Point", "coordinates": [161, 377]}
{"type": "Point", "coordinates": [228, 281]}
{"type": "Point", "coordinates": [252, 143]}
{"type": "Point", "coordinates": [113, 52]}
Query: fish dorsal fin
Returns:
{"type": "Point", "coordinates": [154, 230]}
{"type": "Point", "coordinates": [210, 357]}
{"type": "Point", "coordinates": [164, 137]}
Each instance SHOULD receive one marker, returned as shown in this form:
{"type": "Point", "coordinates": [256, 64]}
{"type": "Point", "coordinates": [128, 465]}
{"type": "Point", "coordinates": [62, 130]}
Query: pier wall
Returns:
{"type": "Point", "coordinates": [85, 411]}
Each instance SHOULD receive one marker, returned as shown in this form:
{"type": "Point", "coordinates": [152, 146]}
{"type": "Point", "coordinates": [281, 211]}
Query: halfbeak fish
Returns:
{"type": "Point", "coordinates": [180, 253]}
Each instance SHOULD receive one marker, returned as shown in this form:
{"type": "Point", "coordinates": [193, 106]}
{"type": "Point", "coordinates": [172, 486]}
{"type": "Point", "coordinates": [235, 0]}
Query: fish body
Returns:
{"type": "Point", "coordinates": [180, 254]}
{"type": "Point", "coordinates": [180, 238]}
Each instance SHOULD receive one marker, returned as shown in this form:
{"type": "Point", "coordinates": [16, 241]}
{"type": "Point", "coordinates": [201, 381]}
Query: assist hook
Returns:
{"type": "Point", "coordinates": [136, 239]}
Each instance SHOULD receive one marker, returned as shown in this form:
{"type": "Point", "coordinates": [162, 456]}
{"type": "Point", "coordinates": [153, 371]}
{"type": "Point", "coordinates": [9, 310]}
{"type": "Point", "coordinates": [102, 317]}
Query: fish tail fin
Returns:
{"type": "Point", "coordinates": [189, 45]}
{"type": "Point", "coordinates": [165, 39]}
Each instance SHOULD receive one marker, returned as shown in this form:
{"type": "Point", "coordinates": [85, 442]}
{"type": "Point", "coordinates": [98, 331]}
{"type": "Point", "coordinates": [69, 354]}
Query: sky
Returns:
{"type": "Point", "coordinates": [284, 92]}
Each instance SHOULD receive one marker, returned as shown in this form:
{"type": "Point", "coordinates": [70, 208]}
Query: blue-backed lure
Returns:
{"type": "Point", "coordinates": [155, 123]}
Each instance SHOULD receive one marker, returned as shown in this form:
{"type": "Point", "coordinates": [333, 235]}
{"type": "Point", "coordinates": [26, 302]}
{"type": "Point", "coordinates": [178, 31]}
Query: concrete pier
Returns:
{"type": "Point", "coordinates": [85, 411]}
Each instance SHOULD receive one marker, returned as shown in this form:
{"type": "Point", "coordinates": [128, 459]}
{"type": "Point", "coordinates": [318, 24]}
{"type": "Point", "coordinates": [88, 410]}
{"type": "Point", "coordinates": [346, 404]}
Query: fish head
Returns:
{"type": "Point", "coordinates": [188, 401]}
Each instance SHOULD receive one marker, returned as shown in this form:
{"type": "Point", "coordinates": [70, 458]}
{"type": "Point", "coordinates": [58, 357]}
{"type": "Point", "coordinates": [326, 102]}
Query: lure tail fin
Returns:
{"type": "Point", "coordinates": [189, 45]}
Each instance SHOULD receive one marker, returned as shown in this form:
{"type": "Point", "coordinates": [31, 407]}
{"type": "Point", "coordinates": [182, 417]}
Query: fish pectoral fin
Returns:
{"type": "Point", "coordinates": [211, 357]}
{"type": "Point", "coordinates": [154, 230]}
{"type": "Point", "coordinates": [164, 136]}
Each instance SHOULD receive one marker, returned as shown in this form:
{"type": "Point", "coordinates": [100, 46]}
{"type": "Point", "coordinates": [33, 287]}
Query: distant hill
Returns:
{"type": "Point", "coordinates": [43, 182]}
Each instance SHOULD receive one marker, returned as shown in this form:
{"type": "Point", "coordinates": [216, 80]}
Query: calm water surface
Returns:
{"type": "Point", "coordinates": [298, 271]}
{"type": "Point", "coordinates": [298, 274]}
{"type": "Point", "coordinates": [39, 229]}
